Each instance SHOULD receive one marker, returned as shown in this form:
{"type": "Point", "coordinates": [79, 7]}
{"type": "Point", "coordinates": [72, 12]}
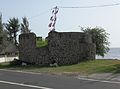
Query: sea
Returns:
{"type": "Point", "coordinates": [114, 53]}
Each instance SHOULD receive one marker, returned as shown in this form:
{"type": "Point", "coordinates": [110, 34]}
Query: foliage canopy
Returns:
{"type": "Point", "coordinates": [13, 27]}
{"type": "Point", "coordinates": [25, 26]}
{"type": "Point", "coordinates": [100, 38]}
{"type": "Point", "coordinates": [3, 35]}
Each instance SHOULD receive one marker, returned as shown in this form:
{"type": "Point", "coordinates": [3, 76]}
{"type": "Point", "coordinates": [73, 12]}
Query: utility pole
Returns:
{"type": "Point", "coordinates": [53, 19]}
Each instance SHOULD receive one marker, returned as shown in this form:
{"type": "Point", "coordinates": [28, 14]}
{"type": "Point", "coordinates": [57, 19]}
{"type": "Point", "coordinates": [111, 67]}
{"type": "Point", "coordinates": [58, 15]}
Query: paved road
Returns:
{"type": "Point", "coordinates": [18, 80]}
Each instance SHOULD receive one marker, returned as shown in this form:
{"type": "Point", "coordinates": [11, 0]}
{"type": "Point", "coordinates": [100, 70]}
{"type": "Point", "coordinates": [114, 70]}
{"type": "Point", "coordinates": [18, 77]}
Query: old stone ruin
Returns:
{"type": "Point", "coordinates": [63, 48]}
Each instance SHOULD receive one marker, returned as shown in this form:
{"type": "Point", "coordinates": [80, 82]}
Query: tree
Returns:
{"type": "Point", "coordinates": [13, 27]}
{"type": "Point", "coordinates": [100, 38]}
{"type": "Point", "coordinates": [3, 35]}
{"type": "Point", "coordinates": [1, 30]}
{"type": "Point", "coordinates": [1, 24]}
{"type": "Point", "coordinates": [25, 26]}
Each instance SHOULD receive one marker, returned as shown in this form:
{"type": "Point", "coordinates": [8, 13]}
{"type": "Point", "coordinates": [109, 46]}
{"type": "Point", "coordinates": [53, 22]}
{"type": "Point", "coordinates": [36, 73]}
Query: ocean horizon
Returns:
{"type": "Point", "coordinates": [114, 53]}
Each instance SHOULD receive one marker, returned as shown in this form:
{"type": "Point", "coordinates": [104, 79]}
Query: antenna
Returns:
{"type": "Point", "coordinates": [53, 19]}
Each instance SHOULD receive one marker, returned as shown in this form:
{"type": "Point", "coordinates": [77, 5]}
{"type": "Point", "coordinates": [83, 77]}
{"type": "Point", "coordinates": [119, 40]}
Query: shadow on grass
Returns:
{"type": "Point", "coordinates": [4, 65]}
{"type": "Point", "coordinates": [117, 68]}
{"type": "Point", "coordinates": [8, 65]}
{"type": "Point", "coordinates": [109, 69]}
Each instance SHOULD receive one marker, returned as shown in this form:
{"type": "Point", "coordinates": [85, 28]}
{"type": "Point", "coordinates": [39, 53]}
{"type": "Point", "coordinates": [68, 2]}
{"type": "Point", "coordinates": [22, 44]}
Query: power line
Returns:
{"type": "Point", "coordinates": [95, 6]}
{"type": "Point", "coordinates": [42, 13]}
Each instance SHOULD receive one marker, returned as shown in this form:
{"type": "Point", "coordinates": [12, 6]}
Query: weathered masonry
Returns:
{"type": "Point", "coordinates": [63, 48]}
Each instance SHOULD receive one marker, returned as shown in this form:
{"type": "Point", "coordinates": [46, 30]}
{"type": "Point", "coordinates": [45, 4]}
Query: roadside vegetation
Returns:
{"type": "Point", "coordinates": [85, 68]}
{"type": "Point", "coordinates": [99, 38]}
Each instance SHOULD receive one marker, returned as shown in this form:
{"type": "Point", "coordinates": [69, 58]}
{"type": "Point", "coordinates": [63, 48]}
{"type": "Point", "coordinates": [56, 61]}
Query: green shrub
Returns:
{"type": "Point", "coordinates": [15, 62]}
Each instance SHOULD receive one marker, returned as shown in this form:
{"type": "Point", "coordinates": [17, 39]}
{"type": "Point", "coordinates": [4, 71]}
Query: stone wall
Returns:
{"type": "Point", "coordinates": [28, 52]}
{"type": "Point", "coordinates": [70, 47]}
{"type": "Point", "coordinates": [63, 48]}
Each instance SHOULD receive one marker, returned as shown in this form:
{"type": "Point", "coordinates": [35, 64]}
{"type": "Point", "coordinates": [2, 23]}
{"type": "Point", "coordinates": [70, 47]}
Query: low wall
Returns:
{"type": "Point", "coordinates": [7, 59]}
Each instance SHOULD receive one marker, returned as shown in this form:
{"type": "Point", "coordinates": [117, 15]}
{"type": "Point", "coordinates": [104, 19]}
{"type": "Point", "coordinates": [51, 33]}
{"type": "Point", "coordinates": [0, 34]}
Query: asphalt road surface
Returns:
{"type": "Point", "coordinates": [20, 80]}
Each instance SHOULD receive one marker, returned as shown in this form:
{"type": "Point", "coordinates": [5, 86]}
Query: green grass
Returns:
{"type": "Point", "coordinates": [89, 67]}
{"type": "Point", "coordinates": [41, 43]}
{"type": "Point", "coordinates": [5, 65]}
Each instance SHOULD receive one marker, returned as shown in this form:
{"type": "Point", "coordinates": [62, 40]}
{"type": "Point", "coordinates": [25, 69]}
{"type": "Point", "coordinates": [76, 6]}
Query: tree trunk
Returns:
{"type": "Point", "coordinates": [15, 38]}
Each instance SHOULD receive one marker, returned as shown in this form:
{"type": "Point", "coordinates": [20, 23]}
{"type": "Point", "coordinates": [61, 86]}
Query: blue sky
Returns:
{"type": "Point", "coordinates": [38, 12]}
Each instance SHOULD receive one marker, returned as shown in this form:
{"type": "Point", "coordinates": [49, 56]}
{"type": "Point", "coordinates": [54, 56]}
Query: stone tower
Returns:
{"type": "Point", "coordinates": [27, 44]}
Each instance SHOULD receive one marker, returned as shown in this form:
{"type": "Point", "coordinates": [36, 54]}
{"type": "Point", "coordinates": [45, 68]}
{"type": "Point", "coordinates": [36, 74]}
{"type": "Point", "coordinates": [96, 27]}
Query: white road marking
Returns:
{"type": "Point", "coordinates": [18, 71]}
{"type": "Point", "coordinates": [24, 85]}
{"type": "Point", "coordinates": [95, 80]}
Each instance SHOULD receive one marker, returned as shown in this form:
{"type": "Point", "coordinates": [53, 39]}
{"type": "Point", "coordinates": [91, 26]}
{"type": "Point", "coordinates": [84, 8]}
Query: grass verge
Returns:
{"type": "Point", "coordinates": [89, 67]}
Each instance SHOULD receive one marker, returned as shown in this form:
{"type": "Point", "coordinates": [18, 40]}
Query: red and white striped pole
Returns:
{"type": "Point", "coordinates": [53, 18]}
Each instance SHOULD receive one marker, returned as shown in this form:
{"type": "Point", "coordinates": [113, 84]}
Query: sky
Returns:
{"type": "Point", "coordinates": [38, 13]}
